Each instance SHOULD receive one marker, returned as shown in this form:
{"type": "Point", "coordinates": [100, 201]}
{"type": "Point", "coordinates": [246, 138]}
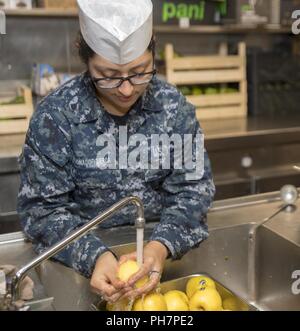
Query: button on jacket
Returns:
{"type": "Point", "coordinates": [63, 187]}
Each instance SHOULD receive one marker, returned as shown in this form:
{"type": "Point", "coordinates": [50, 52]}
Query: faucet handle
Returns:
{"type": "Point", "coordinates": [289, 194]}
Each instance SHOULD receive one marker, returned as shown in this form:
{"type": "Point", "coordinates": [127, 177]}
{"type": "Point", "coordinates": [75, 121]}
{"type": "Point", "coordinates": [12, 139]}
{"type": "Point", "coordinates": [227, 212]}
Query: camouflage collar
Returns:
{"type": "Point", "coordinates": [136, 118]}
{"type": "Point", "coordinates": [88, 107]}
{"type": "Point", "coordinates": [149, 98]}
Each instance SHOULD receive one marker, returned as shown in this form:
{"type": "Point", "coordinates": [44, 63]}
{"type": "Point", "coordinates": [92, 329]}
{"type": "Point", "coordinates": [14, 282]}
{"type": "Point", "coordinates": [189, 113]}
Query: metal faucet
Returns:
{"type": "Point", "coordinates": [21, 273]}
{"type": "Point", "coordinates": [289, 195]}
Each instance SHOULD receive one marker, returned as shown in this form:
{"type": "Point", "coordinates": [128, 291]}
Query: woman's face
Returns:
{"type": "Point", "coordinates": [125, 96]}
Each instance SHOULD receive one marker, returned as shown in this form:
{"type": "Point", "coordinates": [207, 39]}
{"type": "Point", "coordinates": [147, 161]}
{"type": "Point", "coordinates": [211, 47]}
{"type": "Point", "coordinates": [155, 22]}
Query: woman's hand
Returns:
{"type": "Point", "coordinates": [155, 255]}
{"type": "Point", "coordinates": [104, 280]}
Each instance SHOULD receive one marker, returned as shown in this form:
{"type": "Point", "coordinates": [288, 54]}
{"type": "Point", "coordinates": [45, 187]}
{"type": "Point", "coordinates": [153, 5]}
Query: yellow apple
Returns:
{"type": "Point", "coordinates": [138, 305]}
{"type": "Point", "coordinates": [150, 302]}
{"type": "Point", "coordinates": [207, 299]}
{"type": "Point", "coordinates": [127, 269]}
{"type": "Point", "coordinates": [233, 303]}
{"type": "Point", "coordinates": [197, 283]}
{"type": "Point", "coordinates": [176, 301]}
{"type": "Point", "coordinates": [223, 291]}
{"type": "Point", "coordinates": [121, 305]}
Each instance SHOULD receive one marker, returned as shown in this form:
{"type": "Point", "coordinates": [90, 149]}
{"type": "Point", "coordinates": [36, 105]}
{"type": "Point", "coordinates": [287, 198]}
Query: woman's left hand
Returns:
{"type": "Point", "coordinates": [155, 255]}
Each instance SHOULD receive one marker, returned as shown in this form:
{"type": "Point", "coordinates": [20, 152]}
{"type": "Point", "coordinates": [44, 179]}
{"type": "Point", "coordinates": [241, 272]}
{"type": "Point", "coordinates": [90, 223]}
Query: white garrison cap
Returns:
{"type": "Point", "coordinates": [118, 30]}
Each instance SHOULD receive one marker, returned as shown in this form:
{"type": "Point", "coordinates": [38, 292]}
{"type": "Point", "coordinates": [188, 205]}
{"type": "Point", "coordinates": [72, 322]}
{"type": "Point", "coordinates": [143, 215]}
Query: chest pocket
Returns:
{"type": "Point", "coordinates": [95, 178]}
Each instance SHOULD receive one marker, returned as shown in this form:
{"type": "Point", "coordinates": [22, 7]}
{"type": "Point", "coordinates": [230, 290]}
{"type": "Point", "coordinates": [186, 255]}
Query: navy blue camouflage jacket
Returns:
{"type": "Point", "coordinates": [62, 186]}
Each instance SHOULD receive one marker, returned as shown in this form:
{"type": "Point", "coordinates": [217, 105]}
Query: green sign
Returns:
{"type": "Point", "coordinates": [171, 10]}
{"type": "Point", "coordinates": [197, 11]}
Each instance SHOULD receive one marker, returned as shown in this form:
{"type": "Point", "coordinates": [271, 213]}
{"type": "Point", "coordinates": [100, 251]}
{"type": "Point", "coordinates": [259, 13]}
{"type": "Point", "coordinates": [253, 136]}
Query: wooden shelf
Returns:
{"type": "Point", "coordinates": [41, 12]}
{"type": "Point", "coordinates": [211, 29]}
{"type": "Point", "coordinates": [203, 29]}
{"type": "Point", "coordinates": [15, 117]}
{"type": "Point", "coordinates": [214, 69]}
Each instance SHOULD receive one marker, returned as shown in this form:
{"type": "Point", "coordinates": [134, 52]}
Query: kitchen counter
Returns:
{"type": "Point", "coordinates": [235, 127]}
{"type": "Point", "coordinates": [252, 131]}
{"type": "Point", "coordinates": [253, 155]}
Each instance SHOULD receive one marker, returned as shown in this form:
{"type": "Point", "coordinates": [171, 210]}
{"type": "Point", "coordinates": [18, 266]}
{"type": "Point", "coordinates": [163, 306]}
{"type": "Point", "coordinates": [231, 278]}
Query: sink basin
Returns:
{"type": "Point", "coordinates": [224, 256]}
{"type": "Point", "coordinates": [179, 284]}
{"type": "Point", "coordinates": [277, 260]}
{"type": "Point", "coordinates": [262, 280]}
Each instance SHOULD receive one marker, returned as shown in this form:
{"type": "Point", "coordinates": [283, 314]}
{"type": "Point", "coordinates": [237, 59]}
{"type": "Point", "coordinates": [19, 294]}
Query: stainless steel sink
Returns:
{"type": "Point", "coordinates": [224, 256]}
{"type": "Point", "coordinates": [277, 259]}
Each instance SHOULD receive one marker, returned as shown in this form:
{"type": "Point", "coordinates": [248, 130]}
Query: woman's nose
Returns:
{"type": "Point", "coordinates": [126, 89]}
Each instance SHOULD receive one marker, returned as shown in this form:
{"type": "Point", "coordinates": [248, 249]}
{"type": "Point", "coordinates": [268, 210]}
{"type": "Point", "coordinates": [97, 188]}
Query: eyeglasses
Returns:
{"type": "Point", "coordinates": [137, 79]}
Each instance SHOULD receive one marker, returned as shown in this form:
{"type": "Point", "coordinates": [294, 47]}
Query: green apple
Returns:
{"type": "Point", "coordinates": [226, 89]}
{"type": "Point", "coordinates": [185, 90]}
{"type": "Point", "coordinates": [176, 301]}
{"type": "Point", "coordinates": [196, 90]}
{"type": "Point", "coordinates": [211, 90]}
{"type": "Point", "coordinates": [207, 299]}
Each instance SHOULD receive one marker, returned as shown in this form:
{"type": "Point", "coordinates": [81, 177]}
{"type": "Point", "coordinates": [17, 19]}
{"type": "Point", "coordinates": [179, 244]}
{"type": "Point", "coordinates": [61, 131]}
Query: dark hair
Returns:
{"type": "Point", "coordinates": [85, 52]}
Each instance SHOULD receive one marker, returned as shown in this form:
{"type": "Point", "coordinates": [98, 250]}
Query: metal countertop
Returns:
{"type": "Point", "coordinates": [239, 131]}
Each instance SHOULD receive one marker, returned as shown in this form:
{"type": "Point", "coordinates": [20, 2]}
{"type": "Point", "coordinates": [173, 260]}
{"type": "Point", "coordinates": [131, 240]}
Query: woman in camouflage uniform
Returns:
{"type": "Point", "coordinates": [63, 184]}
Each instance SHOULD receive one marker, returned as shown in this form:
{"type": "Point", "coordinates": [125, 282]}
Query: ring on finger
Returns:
{"type": "Point", "coordinates": [154, 272]}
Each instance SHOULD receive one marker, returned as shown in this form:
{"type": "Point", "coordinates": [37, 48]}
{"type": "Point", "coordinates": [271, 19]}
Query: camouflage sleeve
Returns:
{"type": "Point", "coordinates": [45, 206]}
{"type": "Point", "coordinates": [183, 223]}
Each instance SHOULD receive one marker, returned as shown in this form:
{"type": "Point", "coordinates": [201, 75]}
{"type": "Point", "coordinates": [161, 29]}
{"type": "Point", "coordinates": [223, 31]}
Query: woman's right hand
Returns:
{"type": "Point", "coordinates": [104, 280]}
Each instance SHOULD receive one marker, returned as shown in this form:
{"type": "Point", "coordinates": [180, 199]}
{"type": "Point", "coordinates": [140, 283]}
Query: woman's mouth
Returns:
{"type": "Point", "coordinates": [125, 99]}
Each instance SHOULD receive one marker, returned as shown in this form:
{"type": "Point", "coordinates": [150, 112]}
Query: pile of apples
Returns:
{"type": "Point", "coordinates": [200, 294]}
